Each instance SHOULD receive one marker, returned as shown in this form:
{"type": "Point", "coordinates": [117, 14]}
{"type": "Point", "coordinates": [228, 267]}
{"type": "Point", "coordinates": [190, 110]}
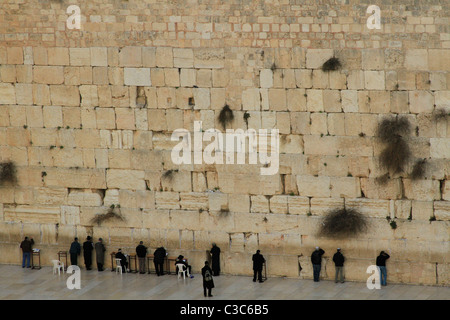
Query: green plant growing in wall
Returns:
{"type": "Point", "coordinates": [113, 213]}
{"type": "Point", "coordinates": [226, 116]}
{"type": "Point", "coordinates": [393, 224]}
{"type": "Point", "coordinates": [331, 64]}
{"type": "Point", "coordinates": [8, 173]}
{"type": "Point", "coordinates": [343, 223]}
{"type": "Point", "coordinates": [419, 169]}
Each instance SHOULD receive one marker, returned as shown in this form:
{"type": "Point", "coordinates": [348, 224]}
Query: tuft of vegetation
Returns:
{"type": "Point", "coordinates": [382, 179]}
{"type": "Point", "coordinates": [396, 154]}
{"type": "Point", "coordinates": [226, 116]}
{"type": "Point", "coordinates": [342, 223]}
{"type": "Point", "coordinates": [432, 218]}
{"type": "Point", "coordinates": [441, 114]}
{"type": "Point", "coordinates": [331, 64]}
{"type": "Point", "coordinates": [393, 224]}
{"type": "Point", "coordinates": [168, 174]}
{"type": "Point", "coordinates": [8, 173]}
{"type": "Point", "coordinates": [246, 116]}
{"type": "Point", "coordinates": [419, 168]}
{"type": "Point", "coordinates": [113, 213]}
{"type": "Point", "coordinates": [224, 212]}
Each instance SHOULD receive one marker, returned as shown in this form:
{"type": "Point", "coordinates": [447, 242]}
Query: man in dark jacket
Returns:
{"type": "Point", "coordinates": [381, 264]}
{"type": "Point", "coordinates": [339, 259]}
{"type": "Point", "coordinates": [215, 257]}
{"type": "Point", "coordinates": [258, 262]}
{"type": "Point", "coordinates": [158, 259]}
{"type": "Point", "coordinates": [75, 250]}
{"type": "Point", "coordinates": [88, 247]}
{"type": "Point", "coordinates": [141, 252]}
{"type": "Point", "coordinates": [208, 282]}
{"type": "Point", "coordinates": [100, 254]}
{"type": "Point", "coordinates": [316, 259]}
{"type": "Point", "coordinates": [123, 260]}
{"type": "Point", "coordinates": [26, 246]}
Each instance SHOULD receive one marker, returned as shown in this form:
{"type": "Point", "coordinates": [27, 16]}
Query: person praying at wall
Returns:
{"type": "Point", "coordinates": [215, 257]}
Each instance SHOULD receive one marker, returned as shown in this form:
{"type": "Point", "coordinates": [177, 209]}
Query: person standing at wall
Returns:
{"type": "Point", "coordinates": [158, 259]}
{"type": "Point", "coordinates": [215, 257]}
{"type": "Point", "coordinates": [381, 265]}
{"type": "Point", "coordinates": [100, 254]}
{"type": "Point", "coordinates": [141, 252]}
{"type": "Point", "coordinates": [88, 247]}
{"type": "Point", "coordinates": [316, 259]}
{"type": "Point", "coordinates": [208, 282]}
{"type": "Point", "coordinates": [339, 259]}
{"type": "Point", "coordinates": [26, 246]}
{"type": "Point", "coordinates": [75, 251]}
{"type": "Point", "coordinates": [258, 262]}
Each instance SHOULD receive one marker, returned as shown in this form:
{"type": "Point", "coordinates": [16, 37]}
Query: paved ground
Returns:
{"type": "Point", "coordinates": [17, 283]}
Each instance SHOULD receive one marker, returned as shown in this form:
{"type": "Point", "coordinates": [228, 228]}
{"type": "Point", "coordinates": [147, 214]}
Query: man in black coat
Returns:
{"type": "Point", "coordinates": [215, 257]}
{"type": "Point", "coordinates": [75, 250]}
{"type": "Point", "coordinates": [158, 259]}
{"type": "Point", "coordinates": [123, 260]}
{"type": "Point", "coordinates": [339, 259]}
{"type": "Point", "coordinates": [258, 261]}
{"type": "Point", "coordinates": [186, 266]}
{"type": "Point", "coordinates": [208, 282]}
{"type": "Point", "coordinates": [141, 252]}
{"type": "Point", "coordinates": [316, 259]}
{"type": "Point", "coordinates": [88, 247]}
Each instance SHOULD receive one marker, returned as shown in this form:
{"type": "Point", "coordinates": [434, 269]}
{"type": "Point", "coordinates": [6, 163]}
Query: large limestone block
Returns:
{"type": "Point", "coordinates": [32, 213]}
{"type": "Point", "coordinates": [65, 95]}
{"type": "Point", "coordinates": [48, 75]}
{"type": "Point", "coordinates": [442, 210]}
{"type": "Point", "coordinates": [298, 205]}
{"type": "Point", "coordinates": [194, 201]}
{"type": "Point", "coordinates": [440, 148]}
{"type": "Point", "coordinates": [438, 59]}
{"type": "Point", "coordinates": [416, 59]}
{"type": "Point", "coordinates": [251, 99]}
{"type": "Point", "coordinates": [421, 102]}
{"type": "Point", "coordinates": [345, 187]}
{"type": "Point", "coordinates": [164, 57]}
{"type": "Point", "coordinates": [374, 80]}
{"type": "Point", "coordinates": [80, 56]}
{"type": "Point", "coordinates": [311, 186]}
{"type": "Point", "coordinates": [70, 216]}
{"type": "Point", "coordinates": [130, 57]}
{"type": "Point", "coordinates": [259, 204]}
{"type": "Point", "coordinates": [239, 203]}
{"type": "Point", "coordinates": [7, 94]}
{"type": "Point", "coordinates": [278, 204]}
{"type": "Point", "coordinates": [167, 200]}
{"type": "Point", "coordinates": [86, 198]}
{"type": "Point", "coordinates": [125, 179]}
{"type": "Point", "coordinates": [185, 220]}
{"type": "Point", "coordinates": [425, 190]}
{"type": "Point", "coordinates": [373, 190]}
{"type": "Point", "coordinates": [99, 56]}
{"type": "Point", "coordinates": [217, 201]}
{"type": "Point", "coordinates": [371, 208]}
{"type": "Point", "coordinates": [315, 58]}
{"type": "Point", "coordinates": [372, 59]}
{"type": "Point", "coordinates": [75, 178]}
{"type": "Point", "coordinates": [321, 206]}
{"type": "Point", "coordinates": [137, 77]}
{"type": "Point", "coordinates": [183, 58]}
{"type": "Point", "coordinates": [266, 78]}
{"type": "Point", "coordinates": [49, 196]}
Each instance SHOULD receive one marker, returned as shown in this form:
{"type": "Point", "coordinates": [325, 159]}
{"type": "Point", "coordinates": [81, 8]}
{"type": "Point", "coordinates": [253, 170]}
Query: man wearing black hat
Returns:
{"type": "Point", "coordinates": [141, 252]}
{"type": "Point", "coordinates": [75, 250]}
{"type": "Point", "coordinates": [181, 260]}
{"type": "Point", "coordinates": [258, 262]}
{"type": "Point", "coordinates": [158, 259]}
{"type": "Point", "coordinates": [123, 260]}
{"type": "Point", "coordinates": [88, 247]}
{"type": "Point", "coordinates": [339, 259]}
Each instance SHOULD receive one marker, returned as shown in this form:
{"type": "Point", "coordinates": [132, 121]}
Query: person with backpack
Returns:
{"type": "Point", "coordinates": [339, 259]}
{"type": "Point", "coordinates": [208, 282]}
{"type": "Point", "coordinates": [316, 260]}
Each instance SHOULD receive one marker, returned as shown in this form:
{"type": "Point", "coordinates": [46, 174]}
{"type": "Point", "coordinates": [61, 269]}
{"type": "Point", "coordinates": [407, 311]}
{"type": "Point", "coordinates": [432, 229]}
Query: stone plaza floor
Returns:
{"type": "Point", "coordinates": [17, 283]}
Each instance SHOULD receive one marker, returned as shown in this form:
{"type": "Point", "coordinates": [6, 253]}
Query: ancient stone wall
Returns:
{"type": "Point", "coordinates": [87, 117]}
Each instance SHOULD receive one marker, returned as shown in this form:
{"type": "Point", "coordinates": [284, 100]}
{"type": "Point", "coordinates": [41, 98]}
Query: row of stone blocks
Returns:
{"type": "Point", "coordinates": [167, 57]}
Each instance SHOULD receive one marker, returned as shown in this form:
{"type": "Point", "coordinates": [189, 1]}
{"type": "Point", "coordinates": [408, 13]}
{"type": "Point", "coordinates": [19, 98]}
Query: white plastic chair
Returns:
{"type": "Point", "coordinates": [58, 265]}
{"type": "Point", "coordinates": [118, 266]}
{"type": "Point", "coordinates": [181, 270]}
